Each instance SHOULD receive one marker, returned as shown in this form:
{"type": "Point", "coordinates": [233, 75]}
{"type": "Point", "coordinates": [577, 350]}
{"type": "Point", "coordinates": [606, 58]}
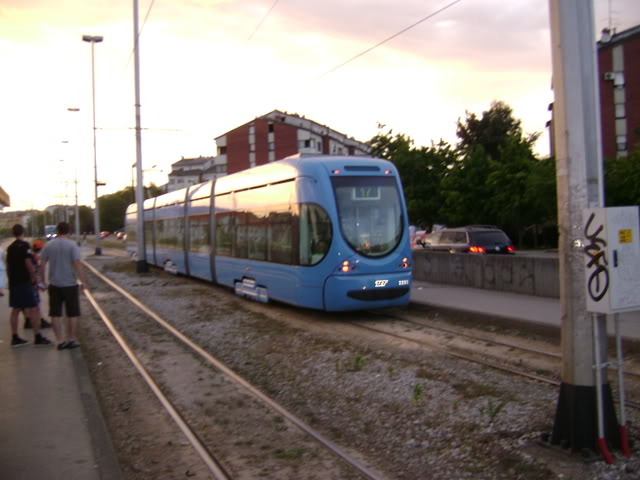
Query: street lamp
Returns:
{"type": "Point", "coordinates": [96, 213]}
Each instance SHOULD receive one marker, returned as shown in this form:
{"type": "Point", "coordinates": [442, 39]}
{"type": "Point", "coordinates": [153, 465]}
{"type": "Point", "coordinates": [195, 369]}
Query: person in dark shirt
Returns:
{"type": "Point", "coordinates": [23, 282]}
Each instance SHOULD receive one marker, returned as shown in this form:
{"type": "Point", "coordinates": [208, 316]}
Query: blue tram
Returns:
{"type": "Point", "coordinates": [323, 232]}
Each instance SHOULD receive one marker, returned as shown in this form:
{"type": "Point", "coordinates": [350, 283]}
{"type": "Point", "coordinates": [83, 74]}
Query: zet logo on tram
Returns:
{"type": "Point", "coordinates": [381, 283]}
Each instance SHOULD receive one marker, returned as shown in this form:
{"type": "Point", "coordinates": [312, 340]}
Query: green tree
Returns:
{"type": "Point", "coordinates": [494, 130]}
{"type": "Point", "coordinates": [114, 206]}
{"type": "Point", "coordinates": [491, 183]}
{"type": "Point", "coordinates": [622, 180]}
{"type": "Point", "coordinates": [421, 171]}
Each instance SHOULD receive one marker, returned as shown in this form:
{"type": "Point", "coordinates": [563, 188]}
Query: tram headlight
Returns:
{"type": "Point", "coordinates": [346, 266]}
{"type": "Point", "coordinates": [405, 263]}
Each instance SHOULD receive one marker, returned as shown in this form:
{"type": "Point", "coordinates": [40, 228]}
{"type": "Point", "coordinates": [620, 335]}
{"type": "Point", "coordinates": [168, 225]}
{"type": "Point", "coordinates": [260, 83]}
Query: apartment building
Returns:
{"type": "Point", "coordinates": [277, 135]}
{"type": "Point", "coordinates": [264, 139]}
{"type": "Point", "coordinates": [619, 79]}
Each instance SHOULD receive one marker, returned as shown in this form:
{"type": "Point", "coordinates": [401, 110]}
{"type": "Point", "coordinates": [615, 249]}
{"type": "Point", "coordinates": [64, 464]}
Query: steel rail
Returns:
{"type": "Point", "coordinates": [496, 366]}
{"type": "Point", "coordinates": [328, 444]}
{"type": "Point", "coordinates": [217, 470]}
{"type": "Point", "coordinates": [482, 338]}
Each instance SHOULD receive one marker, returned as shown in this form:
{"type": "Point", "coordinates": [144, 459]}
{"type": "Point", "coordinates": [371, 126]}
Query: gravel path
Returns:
{"type": "Point", "coordinates": [409, 412]}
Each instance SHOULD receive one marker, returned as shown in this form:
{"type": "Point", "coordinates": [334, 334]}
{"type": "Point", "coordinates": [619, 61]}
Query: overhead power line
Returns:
{"type": "Point", "coordinates": [144, 22]}
{"type": "Point", "coordinates": [263, 19]}
{"type": "Point", "coordinates": [431, 15]}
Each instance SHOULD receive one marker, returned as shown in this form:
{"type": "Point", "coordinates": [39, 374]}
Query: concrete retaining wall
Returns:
{"type": "Point", "coordinates": [510, 273]}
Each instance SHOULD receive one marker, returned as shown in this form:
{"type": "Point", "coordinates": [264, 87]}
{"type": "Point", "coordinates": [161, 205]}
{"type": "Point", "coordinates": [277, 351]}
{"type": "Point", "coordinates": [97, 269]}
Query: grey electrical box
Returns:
{"type": "Point", "coordinates": [612, 259]}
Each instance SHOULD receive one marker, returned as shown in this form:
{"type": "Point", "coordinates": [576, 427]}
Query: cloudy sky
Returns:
{"type": "Point", "coordinates": [208, 66]}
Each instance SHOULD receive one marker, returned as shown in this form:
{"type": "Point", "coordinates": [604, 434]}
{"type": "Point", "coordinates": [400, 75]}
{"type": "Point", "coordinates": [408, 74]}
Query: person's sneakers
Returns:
{"type": "Point", "coordinates": [16, 341]}
{"type": "Point", "coordinates": [43, 323]}
{"type": "Point", "coordinates": [41, 341]}
{"type": "Point", "coordinates": [71, 344]}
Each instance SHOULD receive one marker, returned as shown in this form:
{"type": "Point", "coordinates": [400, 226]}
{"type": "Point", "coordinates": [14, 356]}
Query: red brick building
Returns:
{"type": "Point", "coordinates": [619, 79]}
{"type": "Point", "coordinates": [277, 135]}
{"type": "Point", "coordinates": [619, 89]}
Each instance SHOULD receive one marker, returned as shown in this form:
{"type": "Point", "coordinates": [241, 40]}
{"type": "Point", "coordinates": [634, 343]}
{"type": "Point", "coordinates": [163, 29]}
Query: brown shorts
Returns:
{"type": "Point", "coordinates": [67, 296]}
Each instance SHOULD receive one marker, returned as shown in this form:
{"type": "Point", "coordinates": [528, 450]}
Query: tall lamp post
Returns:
{"type": "Point", "coordinates": [77, 209]}
{"type": "Point", "coordinates": [96, 212]}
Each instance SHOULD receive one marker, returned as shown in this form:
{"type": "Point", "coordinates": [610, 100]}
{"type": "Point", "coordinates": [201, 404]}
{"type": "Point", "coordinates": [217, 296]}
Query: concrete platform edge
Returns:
{"type": "Point", "coordinates": [104, 451]}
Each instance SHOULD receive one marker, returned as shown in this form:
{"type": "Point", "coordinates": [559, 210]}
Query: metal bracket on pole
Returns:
{"type": "Point", "coordinates": [602, 442]}
{"type": "Point", "coordinates": [624, 433]}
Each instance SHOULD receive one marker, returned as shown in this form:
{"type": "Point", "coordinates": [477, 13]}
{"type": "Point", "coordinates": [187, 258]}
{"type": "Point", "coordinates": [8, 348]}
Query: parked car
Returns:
{"type": "Point", "coordinates": [120, 235]}
{"type": "Point", "coordinates": [104, 234]}
{"type": "Point", "coordinates": [479, 239]}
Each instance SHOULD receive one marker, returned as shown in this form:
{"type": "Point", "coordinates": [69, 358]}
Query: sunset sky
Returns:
{"type": "Point", "coordinates": [208, 66]}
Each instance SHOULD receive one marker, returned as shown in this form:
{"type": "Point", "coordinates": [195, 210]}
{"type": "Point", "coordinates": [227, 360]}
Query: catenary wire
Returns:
{"type": "Point", "coordinates": [431, 15]}
{"type": "Point", "coordinates": [263, 19]}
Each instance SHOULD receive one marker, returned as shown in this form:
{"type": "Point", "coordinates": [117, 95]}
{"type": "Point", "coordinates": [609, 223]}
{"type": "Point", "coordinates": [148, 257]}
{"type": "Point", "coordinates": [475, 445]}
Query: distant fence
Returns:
{"type": "Point", "coordinates": [509, 273]}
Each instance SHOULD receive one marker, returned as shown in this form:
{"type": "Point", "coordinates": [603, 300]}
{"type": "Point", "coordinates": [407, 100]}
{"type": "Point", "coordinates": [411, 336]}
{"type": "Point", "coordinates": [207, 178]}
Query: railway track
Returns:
{"type": "Point", "coordinates": [410, 336]}
{"type": "Point", "coordinates": [217, 465]}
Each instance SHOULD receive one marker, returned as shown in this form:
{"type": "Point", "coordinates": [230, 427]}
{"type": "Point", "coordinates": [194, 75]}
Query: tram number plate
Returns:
{"type": "Point", "coordinates": [381, 283]}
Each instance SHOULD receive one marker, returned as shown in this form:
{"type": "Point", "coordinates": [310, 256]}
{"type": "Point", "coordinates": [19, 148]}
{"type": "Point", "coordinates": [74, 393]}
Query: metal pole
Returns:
{"type": "Point", "coordinates": [77, 210]}
{"type": "Point", "coordinates": [579, 173]}
{"type": "Point", "coordinates": [96, 212]}
{"type": "Point", "coordinates": [141, 265]}
{"type": "Point", "coordinates": [77, 213]}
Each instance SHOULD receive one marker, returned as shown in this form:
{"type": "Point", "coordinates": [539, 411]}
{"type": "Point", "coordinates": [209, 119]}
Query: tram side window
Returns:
{"type": "Point", "coordinates": [224, 234]}
{"type": "Point", "coordinates": [130, 229]}
{"type": "Point", "coordinates": [199, 234]}
{"type": "Point", "coordinates": [281, 236]}
{"type": "Point", "coordinates": [170, 233]}
{"type": "Point", "coordinates": [148, 233]}
{"type": "Point", "coordinates": [315, 234]}
{"type": "Point", "coordinates": [256, 235]}
{"type": "Point", "coordinates": [199, 226]}
{"type": "Point", "coordinates": [241, 240]}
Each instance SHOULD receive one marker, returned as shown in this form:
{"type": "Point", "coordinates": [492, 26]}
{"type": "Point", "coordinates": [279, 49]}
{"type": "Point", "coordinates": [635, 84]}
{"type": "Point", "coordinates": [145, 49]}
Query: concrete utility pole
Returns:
{"type": "Point", "coordinates": [579, 182]}
{"type": "Point", "coordinates": [141, 265]}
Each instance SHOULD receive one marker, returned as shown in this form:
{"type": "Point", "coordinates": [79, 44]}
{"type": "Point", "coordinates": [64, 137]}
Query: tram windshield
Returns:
{"type": "Point", "coordinates": [370, 213]}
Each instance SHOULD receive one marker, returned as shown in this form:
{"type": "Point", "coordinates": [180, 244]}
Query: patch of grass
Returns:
{"type": "Point", "coordinates": [492, 409]}
{"type": "Point", "coordinates": [289, 453]}
{"type": "Point", "coordinates": [475, 390]}
{"type": "Point", "coordinates": [358, 363]}
{"type": "Point", "coordinates": [418, 390]}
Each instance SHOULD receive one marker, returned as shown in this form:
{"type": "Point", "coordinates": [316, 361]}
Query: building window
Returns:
{"type": "Point", "coordinates": [621, 143]}
{"type": "Point", "coordinates": [272, 146]}
{"type": "Point", "coordinates": [270, 127]}
{"type": "Point", "coordinates": [620, 110]}
{"type": "Point", "coordinates": [252, 147]}
{"type": "Point", "coordinates": [252, 129]}
{"type": "Point", "coordinates": [222, 150]}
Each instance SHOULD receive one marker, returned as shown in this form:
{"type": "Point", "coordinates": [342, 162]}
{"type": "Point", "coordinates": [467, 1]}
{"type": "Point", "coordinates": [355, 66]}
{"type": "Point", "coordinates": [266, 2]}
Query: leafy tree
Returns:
{"type": "Point", "coordinates": [421, 170]}
{"type": "Point", "coordinates": [622, 180]}
{"type": "Point", "coordinates": [491, 183]}
{"type": "Point", "coordinates": [491, 176]}
{"type": "Point", "coordinates": [114, 206]}
{"type": "Point", "coordinates": [494, 130]}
